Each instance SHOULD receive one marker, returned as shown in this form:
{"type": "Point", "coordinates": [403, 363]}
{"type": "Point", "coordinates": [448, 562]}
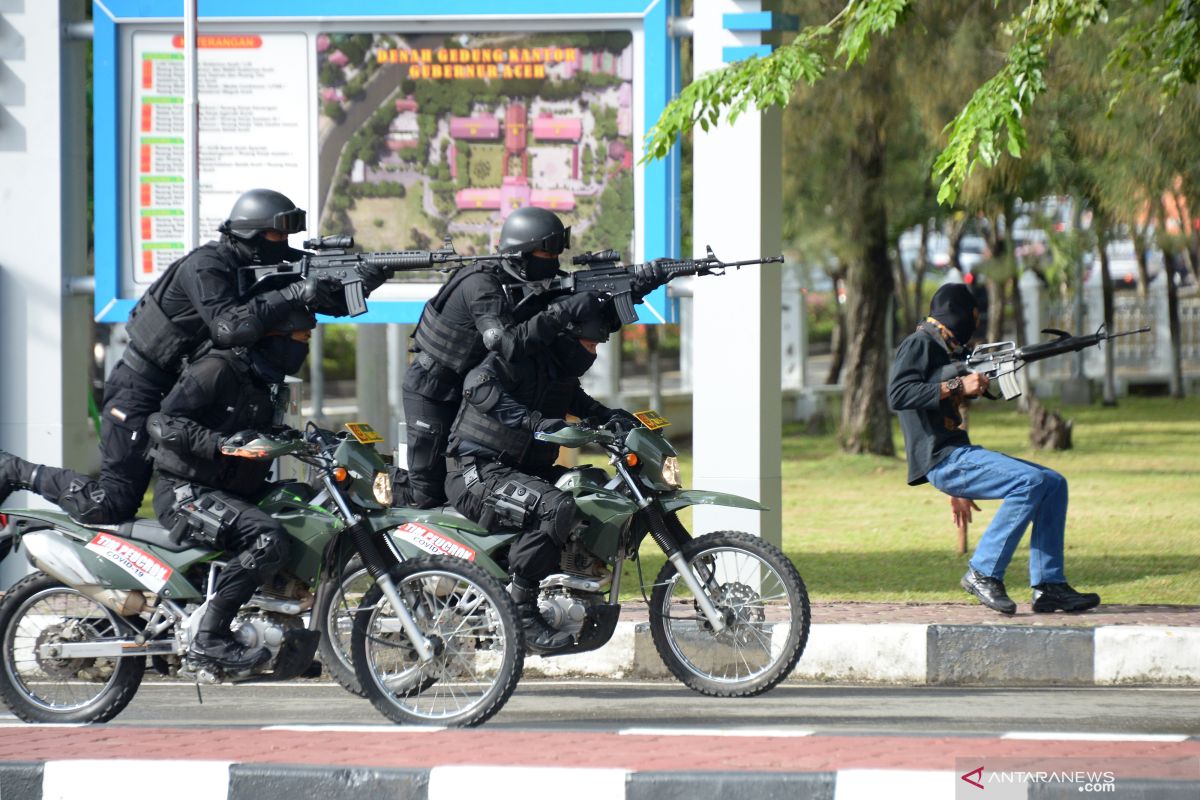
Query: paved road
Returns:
{"type": "Point", "coordinates": [619, 705]}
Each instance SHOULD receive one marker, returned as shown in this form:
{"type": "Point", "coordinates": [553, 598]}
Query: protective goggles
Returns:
{"type": "Point", "coordinates": [555, 242]}
{"type": "Point", "coordinates": [292, 221]}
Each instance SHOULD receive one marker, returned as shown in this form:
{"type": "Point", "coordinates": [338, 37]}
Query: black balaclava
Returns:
{"type": "Point", "coordinates": [954, 306]}
{"type": "Point", "coordinates": [268, 252]}
{"type": "Point", "coordinates": [570, 357]}
{"type": "Point", "coordinates": [537, 268]}
{"type": "Point", "coordinates": [275, 356]}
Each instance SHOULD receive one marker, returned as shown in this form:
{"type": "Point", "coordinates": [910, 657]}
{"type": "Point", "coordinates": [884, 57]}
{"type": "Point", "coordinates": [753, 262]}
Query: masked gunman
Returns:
{"type": "Point", "coordinates": [224, 399]}
{"type": "Point", "coordinates": [196, 301]}
{"type": "Point", "coordinates": [928, 397]}
{"type": "Point", "coordinates": [470, 317]}
{"type": "Point", "coordinates": [503, 478]}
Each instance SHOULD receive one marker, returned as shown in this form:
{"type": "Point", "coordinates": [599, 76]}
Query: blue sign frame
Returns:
{"type": "Point", "coordinates": [660, 205]}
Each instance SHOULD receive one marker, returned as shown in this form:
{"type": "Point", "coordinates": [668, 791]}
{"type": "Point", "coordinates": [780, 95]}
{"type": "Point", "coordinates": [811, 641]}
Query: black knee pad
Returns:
{"type": "Point", "coordinates": [85, 502]}
{"type": "Point", "coordinates": [559, 519]}
{"type": "Point", "coordinates": [265, 557]}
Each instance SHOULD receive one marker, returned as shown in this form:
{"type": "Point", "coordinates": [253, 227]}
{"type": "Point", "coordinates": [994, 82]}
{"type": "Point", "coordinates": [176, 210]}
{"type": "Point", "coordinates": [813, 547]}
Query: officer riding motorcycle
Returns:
{"type": "Point", "coordinates": [470, 317]}
{"type": "Point", "coordinates": [501, 477]}
{"type": "Point", "coordinates": [193, 302]}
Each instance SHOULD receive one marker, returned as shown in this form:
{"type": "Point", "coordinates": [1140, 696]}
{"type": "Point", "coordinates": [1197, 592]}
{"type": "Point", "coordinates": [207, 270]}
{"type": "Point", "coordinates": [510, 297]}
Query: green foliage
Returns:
{"type": "Point", "coordinates": [334, 111]}
{"type": "Point", "coordinates": [1158, 40]}
{"type": "Point", "coordinates": [378, 189]}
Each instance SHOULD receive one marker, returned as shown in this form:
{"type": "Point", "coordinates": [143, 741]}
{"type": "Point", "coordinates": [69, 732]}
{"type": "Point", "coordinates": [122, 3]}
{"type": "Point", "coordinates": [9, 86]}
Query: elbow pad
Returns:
{"type": "Point", "coordinates": [237, 327]}
{"type": "Point", "coordinates": [493, 339]}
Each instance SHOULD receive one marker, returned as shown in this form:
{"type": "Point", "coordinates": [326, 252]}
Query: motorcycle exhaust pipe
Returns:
{"type": "Point", "coordinates": [60, 560]}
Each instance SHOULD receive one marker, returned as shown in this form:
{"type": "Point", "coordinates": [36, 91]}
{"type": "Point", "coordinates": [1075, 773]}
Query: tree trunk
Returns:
{"type": "Point", "coordinates": [1106, 287]}
{"type": "Point", "coordinates": [866, 421]}
{"type": "Point", "coordinates": [1140, 234]}
{"type": "Point", "coordinates": [918, 305]}
{"type": "Point", "coordinates": [901, 285]}
{"type": "Point", "coordinates": [838, 340]}
{"type": "Point", "coordinates": [1169, 266]}
{"type": "Point", "coordinates": [1048, 430]}
{"type": "Point", "coordinates": [995, 321]}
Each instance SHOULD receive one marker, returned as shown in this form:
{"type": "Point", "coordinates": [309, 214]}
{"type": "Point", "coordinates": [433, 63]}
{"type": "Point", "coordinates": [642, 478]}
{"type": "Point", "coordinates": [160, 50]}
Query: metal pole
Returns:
{"type": "Point", "coordinates": [191, 129]}
{"type": "Point", "coordinates": [316, 372]}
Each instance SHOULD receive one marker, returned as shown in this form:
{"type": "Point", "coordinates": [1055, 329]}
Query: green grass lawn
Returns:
{"type": "Point", "coordinates": [857, 531]}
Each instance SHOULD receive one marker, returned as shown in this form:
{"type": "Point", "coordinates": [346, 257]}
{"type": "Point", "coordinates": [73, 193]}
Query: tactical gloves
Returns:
{"type": "Point", "coordinates": [373, 276]}
{"type": "Point", "coordinates": [315, 294]}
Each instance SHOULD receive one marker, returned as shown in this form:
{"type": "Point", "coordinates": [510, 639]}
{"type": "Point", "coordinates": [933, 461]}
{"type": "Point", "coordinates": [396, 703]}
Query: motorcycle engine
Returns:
{"type": "Point", "coordinates": [256, 628]}
{"type": "Point", "coordinates": [566, 596]}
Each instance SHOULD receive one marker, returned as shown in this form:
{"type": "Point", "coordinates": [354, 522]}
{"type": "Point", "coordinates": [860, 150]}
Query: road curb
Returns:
{"type": "Point", "coordinates": [112, 779]}
{"type": "Point", "coordinates": [938, 655]}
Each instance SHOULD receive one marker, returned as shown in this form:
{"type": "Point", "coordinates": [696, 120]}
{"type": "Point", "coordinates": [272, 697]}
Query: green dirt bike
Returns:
{"type": "Point", "coordinates": [442, 645]}
{"type": "Point", "coordinates": [729, 613]}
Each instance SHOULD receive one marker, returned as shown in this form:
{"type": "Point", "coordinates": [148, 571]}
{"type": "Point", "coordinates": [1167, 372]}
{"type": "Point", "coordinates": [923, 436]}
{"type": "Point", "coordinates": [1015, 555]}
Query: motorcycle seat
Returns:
{"type": "Point", "coordinates": [150, 532]}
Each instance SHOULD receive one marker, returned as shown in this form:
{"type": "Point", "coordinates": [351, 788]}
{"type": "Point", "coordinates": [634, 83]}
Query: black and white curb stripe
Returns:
{"type": "Point", "coordinates": [953, 655]}
{"type": "Point", "coordinates": [221, 780]}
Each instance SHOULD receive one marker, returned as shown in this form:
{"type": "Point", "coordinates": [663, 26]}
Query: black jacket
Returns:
{"type": "Point", "coordinates": [197, 300]}
{"type": "Point", "coordinates": [216, 396]}
{"type": "Point", "coordinates": [503, 402]}
{"type": "Point", "coordinates": [932, 427]}
{"type": "Point", "coordinates": [474, 301]}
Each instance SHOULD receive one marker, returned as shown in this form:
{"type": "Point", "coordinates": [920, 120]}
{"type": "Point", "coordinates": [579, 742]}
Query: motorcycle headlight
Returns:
{"type": "Point", "coordinates": [670, 471]}
{"type": "Point", "coordinates": [382, 488]}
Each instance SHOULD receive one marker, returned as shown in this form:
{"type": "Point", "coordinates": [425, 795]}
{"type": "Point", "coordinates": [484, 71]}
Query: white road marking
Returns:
{"type": "Point", "coordinates": [382, 728]}
{"type": "Point", "coordinates": [114, 779]}
{"type": "Point", "coordinates": [770, 732]}
{"type": "Point", "coordinates": [1097, 737]}
{"type": "Point", "coordinates": [521, 783]}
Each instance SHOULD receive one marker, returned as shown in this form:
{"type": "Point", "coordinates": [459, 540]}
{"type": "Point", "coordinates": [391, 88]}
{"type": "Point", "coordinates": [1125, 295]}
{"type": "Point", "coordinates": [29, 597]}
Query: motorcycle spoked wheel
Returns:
{"type": "Point", "coordinates": [765, 605]}
{"type": "Point", "coordinates": [470, 619]}
{"type": "Point", "coordinates": [40, 610]}
{"type": "Point", "coordinates": [333, 610]}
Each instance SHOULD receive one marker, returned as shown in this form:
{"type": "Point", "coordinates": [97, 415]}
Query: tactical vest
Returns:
{"type": "Point", "coordinates": [253, 408]}
{"type": "Point", "coordinates": [456, 347]}
{"type": "Point", "coordinates": [518, 447]}
{"type": "Point", "coordinates": [153, 334]}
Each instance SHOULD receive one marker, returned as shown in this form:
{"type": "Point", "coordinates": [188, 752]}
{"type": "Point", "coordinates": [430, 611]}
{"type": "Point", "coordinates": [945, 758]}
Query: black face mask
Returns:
{"type": "Point", "coordinates": [268, 252]}
{"type": "Point", "coordinates": [954, 306]}
{"type": "Point", "coordinates": [274, 357]}
{"type": "Point", "coordinates": [570, 357]}
{"type": "Point", "coordinates": [538, 268]}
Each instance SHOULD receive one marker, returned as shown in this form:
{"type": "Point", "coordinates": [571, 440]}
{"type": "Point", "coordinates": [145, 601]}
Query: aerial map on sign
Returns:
{"type": "Point", "coordinates": [433, 134]}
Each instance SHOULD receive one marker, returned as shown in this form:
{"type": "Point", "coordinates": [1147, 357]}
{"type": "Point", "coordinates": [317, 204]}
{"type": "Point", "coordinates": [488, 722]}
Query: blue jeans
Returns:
{"type": "Point", "coordinates": [1031, 493]}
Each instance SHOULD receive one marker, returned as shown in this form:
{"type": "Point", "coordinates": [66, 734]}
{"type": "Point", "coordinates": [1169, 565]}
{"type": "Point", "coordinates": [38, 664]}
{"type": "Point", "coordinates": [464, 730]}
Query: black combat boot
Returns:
{"type": "Point", "coordinates": [539, 636]}
{"type": "Point", "coordinates": [214, 645]}
{"type": "Point", "coordinates": [990, 591]}
{"type": "Point", "coordinates": [15, 474]}
{"type": "Point", "coordinates": [1050, 597]}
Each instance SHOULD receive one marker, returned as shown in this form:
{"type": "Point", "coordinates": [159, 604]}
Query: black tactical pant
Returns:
{"type": "Point", "coordinates": [428, 423]}
{"type": "Point", "coordinates": [255, 544]}
{"type": "Point", "coordinates": [129, 398]}
{"type": "Point", "coordinates": [548, 519]}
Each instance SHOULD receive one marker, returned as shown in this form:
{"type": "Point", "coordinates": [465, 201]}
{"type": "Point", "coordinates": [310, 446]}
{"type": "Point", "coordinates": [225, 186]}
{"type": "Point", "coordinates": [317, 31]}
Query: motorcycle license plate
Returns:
{"type": "Point", "coordinates": [364, 433]}
{"type": "Point", "coordinates": [651, 419]}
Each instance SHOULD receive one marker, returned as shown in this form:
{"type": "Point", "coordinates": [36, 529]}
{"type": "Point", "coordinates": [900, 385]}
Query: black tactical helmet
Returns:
{"type": "Point", "coordinates": [528, 229]}
{"type": "Point", "coordinates": [595, 327]}
{"type": "Point", "coordinates": [260, 210]}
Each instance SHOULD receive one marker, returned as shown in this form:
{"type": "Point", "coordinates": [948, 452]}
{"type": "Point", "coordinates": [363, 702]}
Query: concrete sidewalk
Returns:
{"type": "Point", "coordinates": [111, 763]}
{"type": "Point", "coordinates": [958, 644]}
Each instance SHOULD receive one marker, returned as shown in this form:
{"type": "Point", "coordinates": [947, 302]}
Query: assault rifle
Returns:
{"type": "Point", "coordinates": [628, 285]}
{"type": "Point", "coordinates": [333, 261]}
{"type": "Point", "coordinates": [999, 361]}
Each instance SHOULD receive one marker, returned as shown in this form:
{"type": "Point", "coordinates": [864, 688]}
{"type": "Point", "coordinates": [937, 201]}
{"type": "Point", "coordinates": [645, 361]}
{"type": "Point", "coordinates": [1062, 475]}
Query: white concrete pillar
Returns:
{"type": "Point", "coordinates": [370, 378]}
{"type": "Point", "coordinates": [45, 333]}
{"type": "Point", "coordinates": [737, 194]}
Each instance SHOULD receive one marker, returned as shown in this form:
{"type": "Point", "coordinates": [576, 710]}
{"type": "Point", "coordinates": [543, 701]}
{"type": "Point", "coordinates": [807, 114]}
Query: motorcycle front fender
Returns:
{"type": "Point", "coordinates": [416, 535]}
{"type": "Point", "coordinates": [700, 497]}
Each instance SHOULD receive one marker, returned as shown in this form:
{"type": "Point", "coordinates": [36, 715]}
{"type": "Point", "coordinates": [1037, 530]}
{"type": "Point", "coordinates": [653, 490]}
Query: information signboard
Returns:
{"type": "Point", "coordinates": [398, 127]}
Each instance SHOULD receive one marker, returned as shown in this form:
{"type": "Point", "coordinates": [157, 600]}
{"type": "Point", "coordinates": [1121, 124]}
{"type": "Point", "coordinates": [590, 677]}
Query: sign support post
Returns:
{"type": "Point", "coordinates": [737, 194]}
